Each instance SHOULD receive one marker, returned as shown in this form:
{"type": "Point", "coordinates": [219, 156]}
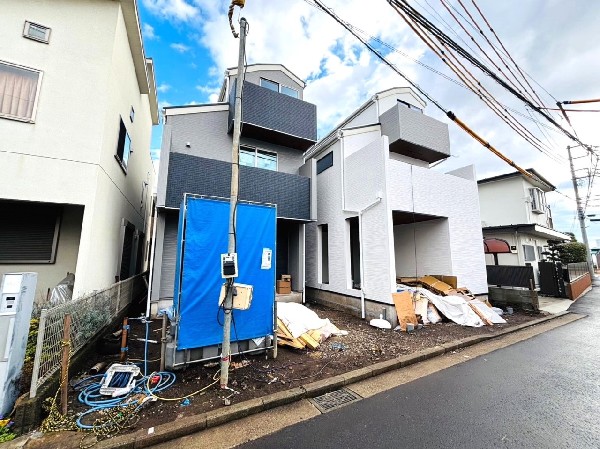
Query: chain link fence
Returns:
{"type": "Point", "coordinates": [90, 314]}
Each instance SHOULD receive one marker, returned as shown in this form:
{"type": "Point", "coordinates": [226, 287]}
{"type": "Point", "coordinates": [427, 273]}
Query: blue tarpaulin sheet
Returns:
{"type": "Point", "coordinates": [203, 237]}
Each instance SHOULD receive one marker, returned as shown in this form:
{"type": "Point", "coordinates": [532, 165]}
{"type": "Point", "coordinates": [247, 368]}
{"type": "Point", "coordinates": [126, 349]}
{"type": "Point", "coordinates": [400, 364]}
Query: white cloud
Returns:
{"type": "Point", "coordinates": [179, 47]}
{"type": "Point", "coordinates": [175, 10]}
{"type": "Point", "coordinates": [163, 87]}
{"type": "Point", "coordinates": [148, 32]}
{"type": "Point", "coordinates": [342, 74]}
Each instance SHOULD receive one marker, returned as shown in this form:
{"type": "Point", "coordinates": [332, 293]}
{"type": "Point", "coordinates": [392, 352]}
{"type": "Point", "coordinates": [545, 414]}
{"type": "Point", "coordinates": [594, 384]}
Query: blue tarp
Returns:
{"type": "Point", "coordinates": [203, 235]}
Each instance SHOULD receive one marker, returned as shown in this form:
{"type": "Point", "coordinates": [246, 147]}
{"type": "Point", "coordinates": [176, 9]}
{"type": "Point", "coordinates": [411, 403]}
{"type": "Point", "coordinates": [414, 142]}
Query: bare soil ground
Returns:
{"type": "Point", "coordinates": [255, 375]}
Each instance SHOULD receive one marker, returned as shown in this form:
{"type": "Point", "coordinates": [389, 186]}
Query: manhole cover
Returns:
{"type": "Point", "coordinates": [334, 399]}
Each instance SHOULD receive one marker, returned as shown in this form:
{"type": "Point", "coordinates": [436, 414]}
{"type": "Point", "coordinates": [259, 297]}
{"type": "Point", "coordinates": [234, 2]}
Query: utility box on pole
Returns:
{"type": "Point", "coordinates": [17, 292]}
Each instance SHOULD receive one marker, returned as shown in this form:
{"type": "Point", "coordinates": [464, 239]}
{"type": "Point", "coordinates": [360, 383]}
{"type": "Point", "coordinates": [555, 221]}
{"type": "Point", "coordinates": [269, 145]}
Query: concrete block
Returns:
{"type": "Point", "coordinates": [323, 386]}
{"type": "Point", "coordinates": [175, 429]}
{"type": "Point", "coordinates": [283, 397]}
{"type": "Point", "coordinates": [232, 412]}
{"type": "Point", "coordinates": [388, 365]}
{"type": "Point", "coordinates": [358, 375]}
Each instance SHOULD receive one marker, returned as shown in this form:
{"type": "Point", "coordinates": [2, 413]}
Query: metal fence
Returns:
{"type": "Point", "coordinates": [89, 314]}
{"type": "Point", "coordinates": [509, 275]}
{"type": "Point", "coordinates": [575, 270]}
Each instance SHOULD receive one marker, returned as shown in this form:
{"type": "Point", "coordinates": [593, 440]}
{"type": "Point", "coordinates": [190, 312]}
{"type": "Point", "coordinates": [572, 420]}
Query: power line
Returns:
{"type": "Point", "coordinates": [440, 35]}
{"type": "Point", "coordinates": [469, 79]}
{"type": "Point", "coordinates": [448, 113]}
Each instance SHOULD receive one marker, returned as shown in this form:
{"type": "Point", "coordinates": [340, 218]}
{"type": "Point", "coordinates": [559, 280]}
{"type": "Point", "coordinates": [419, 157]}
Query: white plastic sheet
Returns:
{"type": "Point", "coordinates": [454, 308]}
{"type": "Point", "coordinates": [300, 319]}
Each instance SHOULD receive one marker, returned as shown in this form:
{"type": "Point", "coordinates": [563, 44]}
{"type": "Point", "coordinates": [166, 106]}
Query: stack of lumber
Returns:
{"type": "Point", "coordinates": [310, 339]}
{"type": "Point", "coordinates": [440, 285]}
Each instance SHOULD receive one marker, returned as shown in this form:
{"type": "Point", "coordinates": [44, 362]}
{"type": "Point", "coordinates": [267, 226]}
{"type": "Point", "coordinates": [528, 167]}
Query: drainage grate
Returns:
{"type": "Point", "coordinates": [335, 399]}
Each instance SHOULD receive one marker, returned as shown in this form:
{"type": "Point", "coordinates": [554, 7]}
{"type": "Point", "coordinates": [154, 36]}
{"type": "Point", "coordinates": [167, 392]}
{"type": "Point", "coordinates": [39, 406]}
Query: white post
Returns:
{"type": "Point", "coordinates": [35, 375]}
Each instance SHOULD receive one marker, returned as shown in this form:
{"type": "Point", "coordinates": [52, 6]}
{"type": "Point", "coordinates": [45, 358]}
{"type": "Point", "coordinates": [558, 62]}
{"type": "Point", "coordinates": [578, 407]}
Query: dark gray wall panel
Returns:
{"type": "Point", "coordinates": [191, 174]}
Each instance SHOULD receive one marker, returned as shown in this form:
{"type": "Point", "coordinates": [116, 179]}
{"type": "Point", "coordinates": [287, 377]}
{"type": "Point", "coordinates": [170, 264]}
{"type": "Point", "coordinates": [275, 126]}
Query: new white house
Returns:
{"type": "Point", "coordinates": [514, 209]}
{"type": "Point", "coordinates": [77, 105]}
{"type": "Point", "coordinates": [382, 212]}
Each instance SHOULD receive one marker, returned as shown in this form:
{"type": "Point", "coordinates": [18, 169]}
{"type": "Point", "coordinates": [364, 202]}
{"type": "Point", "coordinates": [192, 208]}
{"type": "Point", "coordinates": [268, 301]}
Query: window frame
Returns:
{"type": "Point", "coordinates": [37, 93]}
{"type": "Point", "coordinates": [126, 142]}
{"type": "Point", "coordinates": [256, 150]}
{"type": "Point", "coordinates": [279, 86]}
{"type": "Point", "coordinates": [27, 27]}
{"type": "Point", "coordinates": [407, 105]}
{"type": "Point", "coordinates": [533, 251]}
{"type": "Point", "coordinates": [321, 169]}
{"type": "Point", "coordinates": [538, 200]}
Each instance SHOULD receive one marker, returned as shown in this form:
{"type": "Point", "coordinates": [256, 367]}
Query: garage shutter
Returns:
{"type": "Point", "coordinates": [28, 231]}
{"type": "Point", "coordinates": [167, 274]}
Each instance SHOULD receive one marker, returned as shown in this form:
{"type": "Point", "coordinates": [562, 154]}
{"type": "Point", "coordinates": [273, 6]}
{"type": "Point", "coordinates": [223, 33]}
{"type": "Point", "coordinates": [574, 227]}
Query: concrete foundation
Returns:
{"type": "Point", "coordinates": [351, 304]}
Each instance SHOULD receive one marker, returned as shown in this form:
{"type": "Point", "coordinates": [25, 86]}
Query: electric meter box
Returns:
{"type": "Point", "coordinates": [17, 292]}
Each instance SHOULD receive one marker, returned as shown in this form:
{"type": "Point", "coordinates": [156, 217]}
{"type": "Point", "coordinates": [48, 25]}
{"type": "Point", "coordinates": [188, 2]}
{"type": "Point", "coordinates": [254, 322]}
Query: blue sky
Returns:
{"type": "Point", "coordinates": [191, 44]}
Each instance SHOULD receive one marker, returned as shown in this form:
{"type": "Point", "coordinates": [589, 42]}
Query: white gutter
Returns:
{"type": "Point", "coordinates": [360, 238]}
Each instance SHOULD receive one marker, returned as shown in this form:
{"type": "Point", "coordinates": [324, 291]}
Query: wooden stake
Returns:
{"type": "Point", "coordinates": [123, 354]}
{"type": "Point", "coordinates": [64, 371]}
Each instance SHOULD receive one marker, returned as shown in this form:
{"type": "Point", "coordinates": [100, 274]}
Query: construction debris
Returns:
{"type": "Point", "coordinates": [300, 328]}
{"type": "Point", "coordinates": [425, 297]}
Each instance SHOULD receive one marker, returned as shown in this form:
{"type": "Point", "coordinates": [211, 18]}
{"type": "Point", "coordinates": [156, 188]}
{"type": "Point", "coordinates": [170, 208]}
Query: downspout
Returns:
{"type": "Point", "coordinates": [152, 249]}
{"type": "Point", "coordinates": [362, 264]}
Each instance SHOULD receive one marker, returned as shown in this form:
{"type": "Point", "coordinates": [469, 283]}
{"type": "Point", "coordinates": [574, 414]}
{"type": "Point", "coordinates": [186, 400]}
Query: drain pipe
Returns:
{"type": "Point", "coordinates": [362, 264]}
{"type": "Point", "coordinates": [151, 267]}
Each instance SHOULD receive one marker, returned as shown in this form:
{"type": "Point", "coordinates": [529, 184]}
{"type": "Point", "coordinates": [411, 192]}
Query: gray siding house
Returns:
{"type": "Point", "coordinates": [277, 127]}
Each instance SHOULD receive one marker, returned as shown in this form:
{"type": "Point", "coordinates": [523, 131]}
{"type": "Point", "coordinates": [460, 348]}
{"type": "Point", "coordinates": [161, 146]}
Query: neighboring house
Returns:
{"type": "Point", "coordinates": [514, 209]}
{"type": "Point", "coordinates": [277, 127]}
{"type": "Point", "coordinates": [77, 105]}
{"type": "Point", "coordinates": [382, 212]}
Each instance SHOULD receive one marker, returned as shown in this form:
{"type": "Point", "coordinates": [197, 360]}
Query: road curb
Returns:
{"type": "Point", "coordinates": [192, 424]}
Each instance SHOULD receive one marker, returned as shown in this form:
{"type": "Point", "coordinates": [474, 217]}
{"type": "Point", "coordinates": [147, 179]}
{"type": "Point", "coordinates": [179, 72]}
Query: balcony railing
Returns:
{"type": "Point", "coordinates": [415, 135]}
{"type": "Point", "coordinates": [210, 177]}
{"type": "Point", "coordinates": [275, 117]}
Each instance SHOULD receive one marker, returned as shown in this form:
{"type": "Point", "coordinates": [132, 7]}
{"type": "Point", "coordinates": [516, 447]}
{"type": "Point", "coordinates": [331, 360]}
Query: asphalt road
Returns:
{"type": "Point", "coordinates": [540, 393]}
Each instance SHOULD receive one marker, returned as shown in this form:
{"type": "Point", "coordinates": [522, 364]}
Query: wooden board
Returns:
{"type": "Point", "coordinates": [452, 281]}
{"type": "Point", "coordinates": [308, 341]}
{"type": "Point", "coordinates": [405, 309]}
{"type": "Point", "coordinates": [435, 285]}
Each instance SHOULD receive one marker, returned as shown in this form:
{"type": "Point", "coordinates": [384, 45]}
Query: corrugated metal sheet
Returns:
{"type": "Point", "coordinates": [167, 274]}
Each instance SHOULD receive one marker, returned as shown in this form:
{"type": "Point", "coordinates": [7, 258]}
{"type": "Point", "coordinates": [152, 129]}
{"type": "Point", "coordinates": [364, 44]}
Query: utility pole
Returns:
{"type": "Point", "coordinates": [581, 217]}
{"type": "Point", "coordinates": [235, 166]}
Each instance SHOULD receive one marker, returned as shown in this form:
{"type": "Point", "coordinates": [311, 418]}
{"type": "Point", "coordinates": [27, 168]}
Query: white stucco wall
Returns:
{"type": "Point", "coordinates": [67, 155]}
{"type": "Point", "coordinates": [504, 202]}
{"type": "Point", "coordinates": [426, 191]}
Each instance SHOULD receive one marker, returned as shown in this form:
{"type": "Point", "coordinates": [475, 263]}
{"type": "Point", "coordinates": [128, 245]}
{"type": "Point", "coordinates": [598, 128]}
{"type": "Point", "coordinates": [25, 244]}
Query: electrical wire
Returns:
{"type": "Point", "coordinates": [440, 35]}
{"type": "Point", "coordinates": [476, 87]}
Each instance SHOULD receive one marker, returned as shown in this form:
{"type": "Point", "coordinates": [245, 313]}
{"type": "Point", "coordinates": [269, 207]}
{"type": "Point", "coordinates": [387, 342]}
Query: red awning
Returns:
{"type": "Point", "coordinates": [496, 246]}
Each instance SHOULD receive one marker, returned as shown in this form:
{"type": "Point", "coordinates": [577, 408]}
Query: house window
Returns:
{"type": "Point", "coordinates": [354, 242]}
{"type": "Point", "coordinates": [325, 162]}
{"type": "Point", "coordinates": [19, 87]}
{"type": "Point", "coordinates": [123, 146]}
{"type": "Point", "coordinates": [274, 86]}
{"type": "Point", "coordinates": [131, 114]}
{"type": "Point", "coordinates": [254, 157]}
{"type": "Point", "coordinates": [28, 232]}
{"type": "Point", "coordinates": [538, 200]}
{"type": "Point", "coordinates": [529, 252]}
{"type": "Point", "coordinates": [324, 245]}
{"type": "Point", "coordinates": [540, 250]}
{"type": "Point", "coordinates": [36, 32]}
